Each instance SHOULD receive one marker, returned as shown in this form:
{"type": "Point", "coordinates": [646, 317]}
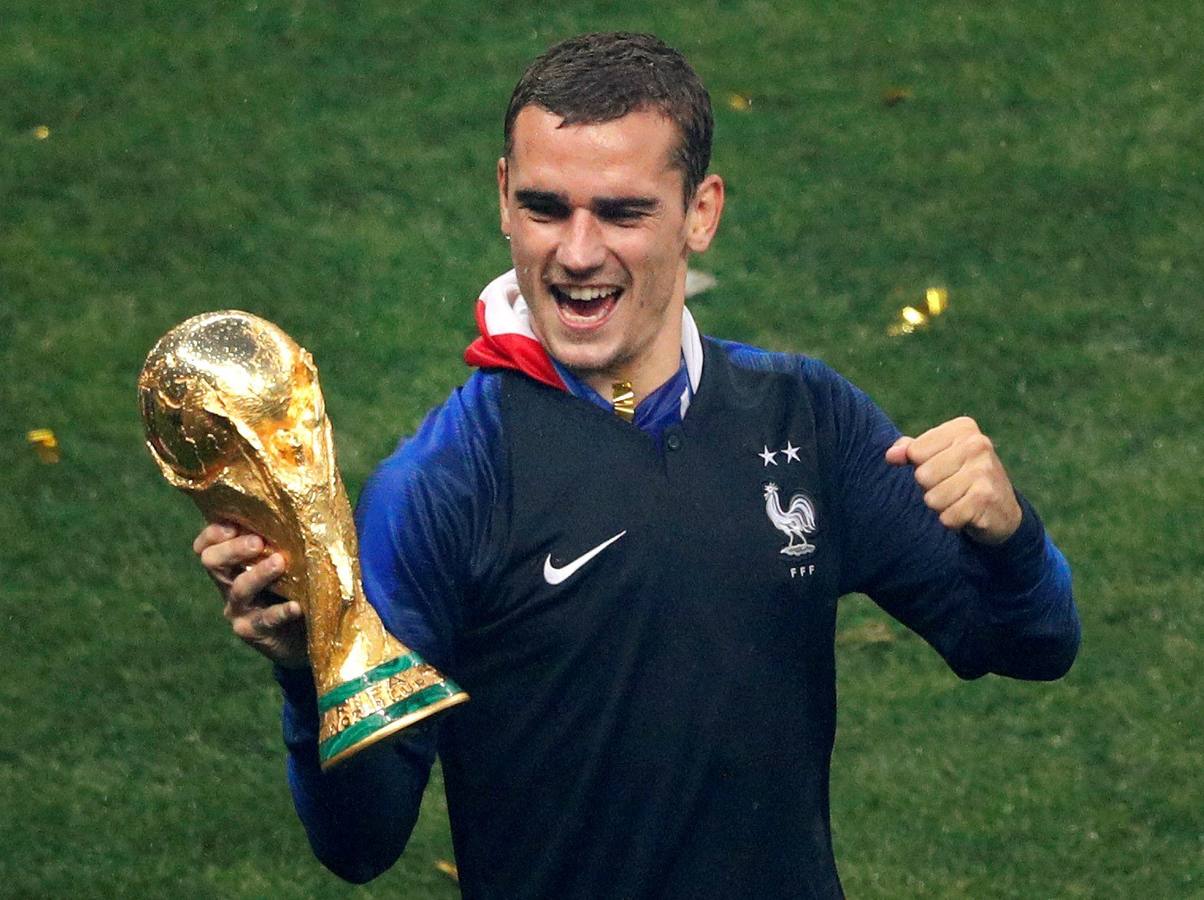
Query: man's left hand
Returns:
{"type": "Point", "coordinates": [963, 480]}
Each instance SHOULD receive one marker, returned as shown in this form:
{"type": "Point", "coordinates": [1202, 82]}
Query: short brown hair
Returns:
{"type": "Point", "coordinates": [600, 77]}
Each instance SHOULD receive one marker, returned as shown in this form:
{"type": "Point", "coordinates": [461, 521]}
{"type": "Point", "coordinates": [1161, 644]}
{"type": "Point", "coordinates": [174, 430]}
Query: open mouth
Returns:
{"type": "Point", "coordinates": [585, 305]}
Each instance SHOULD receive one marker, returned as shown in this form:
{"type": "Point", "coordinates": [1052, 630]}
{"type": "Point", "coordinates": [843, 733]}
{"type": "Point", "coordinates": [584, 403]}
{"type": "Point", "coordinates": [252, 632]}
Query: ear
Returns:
{"type": "Point", "coordinates": [702, 217]}
{"type": "Point", "coordinates": [503, 206]}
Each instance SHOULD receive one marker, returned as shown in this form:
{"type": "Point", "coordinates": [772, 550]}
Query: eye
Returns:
{"type": "Point", "coordinates": [625, 212]}
{"type": "Point", "coordinates": [626, 218]}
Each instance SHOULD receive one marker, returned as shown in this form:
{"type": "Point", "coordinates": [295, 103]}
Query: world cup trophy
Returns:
{"type": "Point", "coordinates": [234, 417]}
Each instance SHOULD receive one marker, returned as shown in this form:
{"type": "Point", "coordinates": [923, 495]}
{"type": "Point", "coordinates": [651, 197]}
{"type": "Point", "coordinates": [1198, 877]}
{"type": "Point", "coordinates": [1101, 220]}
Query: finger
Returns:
{"type": "Point", "coordinates": [232, 554]}
{"type": "Point", "coordinates": [949, 491]}
{"type": "Point", "coordinates": [933, 441]}
{"type": "Point", "coordinates": [280, 614]}
{"type": "Point", "coordinates": [264, 622]}
{"type": "Point", "coordinates": [247, 588]}
{"type": "Point", "coordinates": [214, 533]}
{"type": "Point", "coordinates": [973, 511]}
{"type": "Point", "coordinates": [943, 465]}
{"type": "Point", "coordinates": [896, 453]}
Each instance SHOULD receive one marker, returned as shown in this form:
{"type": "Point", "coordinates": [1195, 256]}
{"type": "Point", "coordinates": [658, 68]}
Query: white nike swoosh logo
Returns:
{"type": "Point", "coordinates": [554, 575]}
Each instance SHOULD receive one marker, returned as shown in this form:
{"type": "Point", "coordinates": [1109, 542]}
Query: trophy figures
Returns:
{"type": "Point", "coordinates": [234, 417]}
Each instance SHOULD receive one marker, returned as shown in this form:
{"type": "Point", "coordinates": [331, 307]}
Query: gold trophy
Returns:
{"type": "Point", "coordinates": [235, 418]}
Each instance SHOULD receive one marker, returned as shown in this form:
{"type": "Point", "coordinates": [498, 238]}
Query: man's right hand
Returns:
{"type": "Point", "coordinates": [236, 561]}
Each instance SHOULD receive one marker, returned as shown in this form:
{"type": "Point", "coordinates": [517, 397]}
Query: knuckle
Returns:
{"type": "Point", "coordinates": [980, 443]}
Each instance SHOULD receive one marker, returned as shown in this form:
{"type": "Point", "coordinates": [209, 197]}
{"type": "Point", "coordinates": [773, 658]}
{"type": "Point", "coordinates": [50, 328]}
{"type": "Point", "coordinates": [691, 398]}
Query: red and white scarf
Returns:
{"type": "Point", "coordinates": [508, 342]}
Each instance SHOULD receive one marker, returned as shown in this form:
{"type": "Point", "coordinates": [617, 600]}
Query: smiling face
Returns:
{"type": "Point", "coordinates": [600, 239]}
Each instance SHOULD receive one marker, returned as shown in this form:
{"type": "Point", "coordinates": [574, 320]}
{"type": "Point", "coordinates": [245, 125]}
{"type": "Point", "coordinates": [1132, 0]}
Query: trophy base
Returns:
{"type": "Point", "coordinates": [392, 696]}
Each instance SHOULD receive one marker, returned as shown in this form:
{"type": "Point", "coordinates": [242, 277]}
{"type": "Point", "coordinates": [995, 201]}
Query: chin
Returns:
{"type": "Point", "coordinates": [582, 359]}
{"type": "Point", "coordinates": [583, 364]}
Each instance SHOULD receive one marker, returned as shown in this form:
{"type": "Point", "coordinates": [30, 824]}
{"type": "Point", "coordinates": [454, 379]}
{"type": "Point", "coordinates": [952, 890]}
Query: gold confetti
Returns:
{"type": "Point", "coordinates": [449, 869]}
{"type": "Point", "coordinates": [624, 400]}
{"type": "Point", "coordinates": [913, 318]}
{"type": "Point", "coordinates": [41, 132]}
{"type": "Point", "coordinates": [739, 102]}
{"type": "Point", "coordinates": [896, 95]}
{"type": "Point", "coordinates": [45, 444]}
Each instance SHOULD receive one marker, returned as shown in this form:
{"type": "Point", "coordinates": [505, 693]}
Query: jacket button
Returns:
{"type": "Point", "coordinates": [673, 441]}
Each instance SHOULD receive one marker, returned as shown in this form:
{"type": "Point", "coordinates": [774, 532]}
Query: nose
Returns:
{"type": "Point", "coordinates": [581, 249]}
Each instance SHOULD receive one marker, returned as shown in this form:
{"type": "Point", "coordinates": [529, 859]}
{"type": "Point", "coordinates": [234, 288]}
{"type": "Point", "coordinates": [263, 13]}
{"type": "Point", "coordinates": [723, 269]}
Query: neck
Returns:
{"type": "Point", "coordinates": [644, 379]}
{"type": "Point", "coordinates": [655, 363]}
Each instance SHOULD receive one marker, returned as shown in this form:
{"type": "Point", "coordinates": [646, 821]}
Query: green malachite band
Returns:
{"type": "Point", "coordinates": [351, 736]}
{"type": "Point", "coordinates": [333, 698]}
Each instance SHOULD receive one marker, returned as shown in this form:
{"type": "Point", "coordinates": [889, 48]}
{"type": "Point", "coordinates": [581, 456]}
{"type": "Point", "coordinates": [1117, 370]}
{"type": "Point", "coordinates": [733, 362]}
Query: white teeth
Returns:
{"type": "Point", "coordinates": [573, 317]}
{"type": "Point", "coordinates": [588, 293]}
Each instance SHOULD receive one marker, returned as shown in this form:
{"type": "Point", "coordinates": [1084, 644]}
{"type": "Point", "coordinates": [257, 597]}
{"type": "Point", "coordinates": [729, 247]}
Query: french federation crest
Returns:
{"type": "Point", "coordinates": [796, 521]}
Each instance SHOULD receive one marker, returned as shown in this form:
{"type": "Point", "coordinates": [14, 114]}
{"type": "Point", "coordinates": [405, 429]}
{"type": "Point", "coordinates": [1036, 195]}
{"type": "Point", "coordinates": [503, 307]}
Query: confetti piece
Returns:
{"type": "Point", "coordinates": [41, 132]}
{"type": "Point", "coordinates": [913, 318]}
{"type": "Point", "coordinates": [449, 869]}
{"type": "Point", "coordinates": [739, 102]}
{"type": "Point", "coordinates": [624, 400]}
{"type": "Point", "coordinates": [896, 95]}
{"type": "Point", "coordinates": [45, 444]}
{"type": "Point", "coordinates": [697, 282]}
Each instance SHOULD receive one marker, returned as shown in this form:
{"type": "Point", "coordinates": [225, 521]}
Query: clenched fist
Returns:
{"type": "Point", "coordinates": [243, 571]}
{"type": "Point", "coordinates": [963, 479]}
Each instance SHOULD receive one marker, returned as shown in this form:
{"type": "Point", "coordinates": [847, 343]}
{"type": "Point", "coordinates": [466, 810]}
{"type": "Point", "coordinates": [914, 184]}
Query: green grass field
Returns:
{"type": "Point", "coordinates": [330, 165]}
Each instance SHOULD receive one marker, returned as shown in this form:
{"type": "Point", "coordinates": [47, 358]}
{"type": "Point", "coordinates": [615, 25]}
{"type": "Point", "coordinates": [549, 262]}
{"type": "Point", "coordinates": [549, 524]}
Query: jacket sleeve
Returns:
{"type": "Point", "coordinates": [419, 519]}
{"type": "Point", "coordinates": [359, 815]}
{"type": "Point", "coordinates": [1007, 609]}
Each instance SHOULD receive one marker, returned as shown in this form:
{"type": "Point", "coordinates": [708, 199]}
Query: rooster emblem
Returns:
{"type": "Point", "coordinates": [796, 521]}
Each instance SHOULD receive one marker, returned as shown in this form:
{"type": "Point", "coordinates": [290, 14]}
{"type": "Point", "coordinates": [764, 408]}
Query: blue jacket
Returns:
{"type": "Point", "coordinates": [645, 619]}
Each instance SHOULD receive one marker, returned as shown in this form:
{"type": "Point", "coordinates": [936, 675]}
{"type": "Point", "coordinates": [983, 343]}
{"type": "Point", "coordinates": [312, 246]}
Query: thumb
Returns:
{"type": "Point", "coordinates": [896, 453]}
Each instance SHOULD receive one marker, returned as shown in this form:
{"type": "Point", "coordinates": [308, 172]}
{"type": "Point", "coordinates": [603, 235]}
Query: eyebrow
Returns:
{"type": "Point", "coordinates": [612, 207]}
{"type": "Point", "coordinates": [541, 199]}
{"type": "Point", "coordinates": [606, 207]}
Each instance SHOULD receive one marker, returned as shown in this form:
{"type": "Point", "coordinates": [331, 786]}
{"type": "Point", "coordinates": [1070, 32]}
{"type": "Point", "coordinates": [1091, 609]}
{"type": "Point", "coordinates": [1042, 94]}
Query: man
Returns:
{"type": "Point", "coordinates": [642, 611]}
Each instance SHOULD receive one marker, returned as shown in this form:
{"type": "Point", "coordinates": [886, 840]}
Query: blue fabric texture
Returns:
{"type": "Point", "coordinates": [1019, 617]}
{"type": "Point", "coordinates": [653, 414]}
{"type": "Point", "coordinates": [426, 521]}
